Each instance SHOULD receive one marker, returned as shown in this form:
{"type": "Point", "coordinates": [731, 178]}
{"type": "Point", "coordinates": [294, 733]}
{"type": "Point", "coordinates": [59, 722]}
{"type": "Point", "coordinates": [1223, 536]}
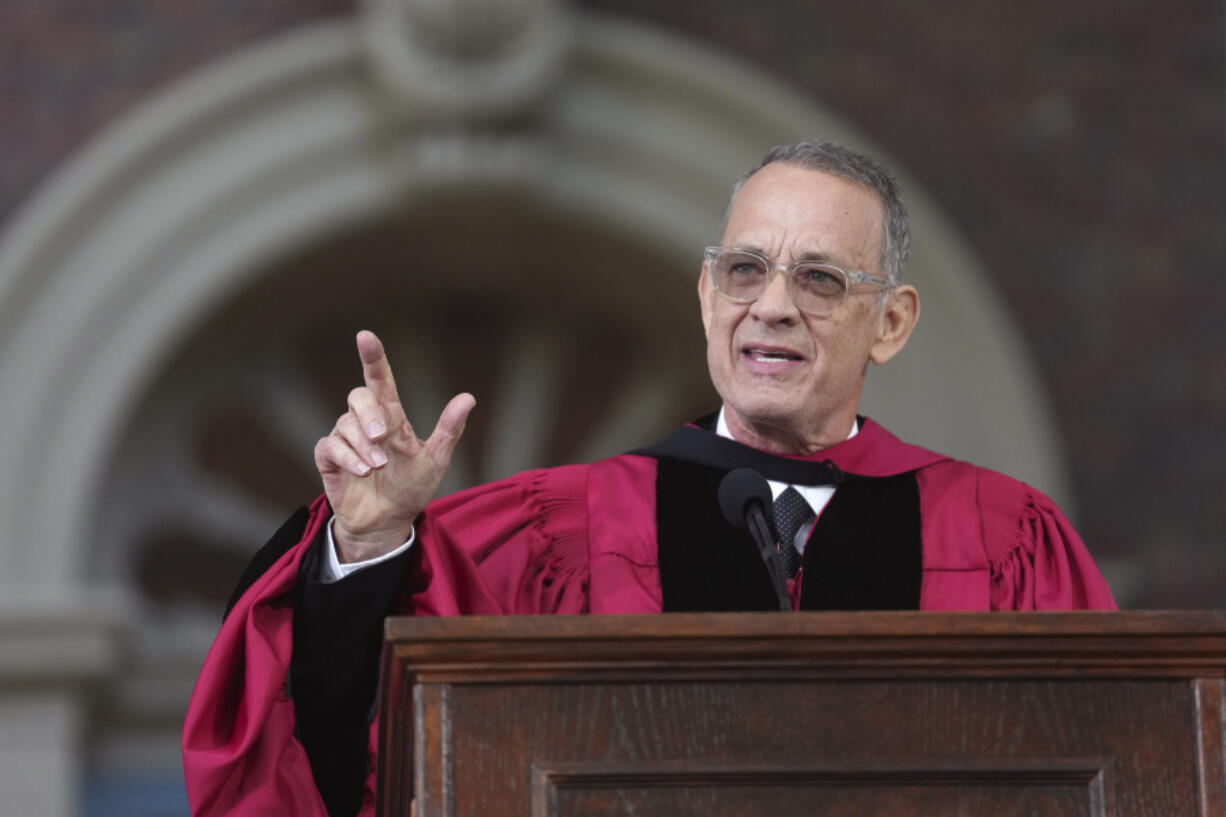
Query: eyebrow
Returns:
{"type": "Point", "coordinates": [815, 256]}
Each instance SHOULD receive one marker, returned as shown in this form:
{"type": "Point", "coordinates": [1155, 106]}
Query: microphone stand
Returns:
{"type": "Point", "coordinates": [743, 497]}
{"type": "Point", "coordinates": [761, 532]}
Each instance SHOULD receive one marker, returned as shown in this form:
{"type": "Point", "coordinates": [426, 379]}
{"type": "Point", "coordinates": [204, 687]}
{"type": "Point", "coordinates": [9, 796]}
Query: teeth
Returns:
{"type": "Point", "coordinates": [769, 356]}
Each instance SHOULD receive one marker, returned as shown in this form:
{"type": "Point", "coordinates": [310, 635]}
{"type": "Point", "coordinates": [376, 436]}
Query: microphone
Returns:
{"type": "Point", "coordinates": [744, 497]}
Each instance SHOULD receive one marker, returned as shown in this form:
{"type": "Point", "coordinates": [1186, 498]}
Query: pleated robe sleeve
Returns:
{"type": "Point", "coordinates": [1039, 562]}
{"type": "Point", "coordinates": [994, 543]}
{"type": "Point", "coordinates": [518, 546]}
{"type": "Point", "coordinates": [515, 547]}
{"type": "Point", "coordinates": [240, 756]}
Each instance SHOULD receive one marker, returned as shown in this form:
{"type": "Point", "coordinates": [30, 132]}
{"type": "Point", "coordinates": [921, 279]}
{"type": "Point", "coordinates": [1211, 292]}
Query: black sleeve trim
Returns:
{"type": "Point", "coordinates": [334, 671]}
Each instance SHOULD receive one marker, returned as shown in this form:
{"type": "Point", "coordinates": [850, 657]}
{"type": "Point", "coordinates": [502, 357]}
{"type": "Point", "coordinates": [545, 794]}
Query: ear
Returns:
{"type": "Point", "coordinates": [705, 297]}
{"type": "Point", "coordinates": [898, 317]}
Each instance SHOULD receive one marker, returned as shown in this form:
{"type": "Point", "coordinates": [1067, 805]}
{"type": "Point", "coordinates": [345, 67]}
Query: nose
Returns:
{"type": "Point", "coordinates": [775, 305]}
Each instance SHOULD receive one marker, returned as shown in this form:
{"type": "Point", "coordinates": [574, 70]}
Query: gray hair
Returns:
{"type": "Point", "coordinates": [837, 160]}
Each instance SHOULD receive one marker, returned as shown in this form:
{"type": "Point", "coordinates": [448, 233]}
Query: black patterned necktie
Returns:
{"type": "Point", "coordinates": [791, 512]}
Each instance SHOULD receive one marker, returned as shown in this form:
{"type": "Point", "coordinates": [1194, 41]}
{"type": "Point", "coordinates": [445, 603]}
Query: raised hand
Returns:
{"type": "Point", "coordinates": [377, 473]}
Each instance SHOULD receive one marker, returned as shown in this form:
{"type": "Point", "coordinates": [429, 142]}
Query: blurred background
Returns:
{"type": "Point", "coordinates": [201, 203]}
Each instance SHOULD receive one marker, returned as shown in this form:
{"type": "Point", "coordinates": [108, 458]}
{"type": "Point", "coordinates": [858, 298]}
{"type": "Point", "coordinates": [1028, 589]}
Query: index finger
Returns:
{"type": "Point", "coordinates": [376, 371]}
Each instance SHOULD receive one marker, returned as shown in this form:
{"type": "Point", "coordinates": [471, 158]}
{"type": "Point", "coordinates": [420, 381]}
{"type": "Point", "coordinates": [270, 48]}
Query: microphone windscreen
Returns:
{"type": "Point", "coordinates": [740, 489]}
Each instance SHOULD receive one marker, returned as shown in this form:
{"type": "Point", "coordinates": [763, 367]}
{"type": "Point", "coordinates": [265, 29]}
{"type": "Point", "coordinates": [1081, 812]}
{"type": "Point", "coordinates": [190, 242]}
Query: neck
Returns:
{"type": "Point", "coordinates": [785, 440]}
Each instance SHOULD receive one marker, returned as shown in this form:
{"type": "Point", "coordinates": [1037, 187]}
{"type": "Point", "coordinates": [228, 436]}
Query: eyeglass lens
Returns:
{"type": "Point", "coordinates": [815, 288]}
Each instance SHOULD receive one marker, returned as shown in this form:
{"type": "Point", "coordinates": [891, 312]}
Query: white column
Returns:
{"type": "Point", "coordinates": [50, 652]}
{"type": "Point", "coordinates": [40, 750]}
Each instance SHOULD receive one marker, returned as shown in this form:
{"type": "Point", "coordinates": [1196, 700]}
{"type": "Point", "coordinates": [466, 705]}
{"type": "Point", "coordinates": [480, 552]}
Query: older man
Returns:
{"type": "Point", "coordinates": [803, 292]}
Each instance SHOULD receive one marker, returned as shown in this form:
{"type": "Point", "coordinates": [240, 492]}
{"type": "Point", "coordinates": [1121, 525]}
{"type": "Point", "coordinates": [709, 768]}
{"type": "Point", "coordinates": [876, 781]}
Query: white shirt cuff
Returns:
{"type": "Point", "coordinates": [331, 569]}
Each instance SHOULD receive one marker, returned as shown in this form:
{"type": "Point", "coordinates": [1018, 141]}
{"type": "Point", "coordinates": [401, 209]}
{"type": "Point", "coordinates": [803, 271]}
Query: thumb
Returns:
{"type": "Point", "coordinates": [449, 428]}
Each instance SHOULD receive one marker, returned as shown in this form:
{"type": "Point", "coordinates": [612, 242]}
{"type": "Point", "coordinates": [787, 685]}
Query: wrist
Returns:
{"type": "Point", "coordinates": [366, 545]}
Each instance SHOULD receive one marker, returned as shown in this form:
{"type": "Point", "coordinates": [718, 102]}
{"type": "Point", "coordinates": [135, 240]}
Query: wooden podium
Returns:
{"type": "Point", "coordinates": [839, 714]}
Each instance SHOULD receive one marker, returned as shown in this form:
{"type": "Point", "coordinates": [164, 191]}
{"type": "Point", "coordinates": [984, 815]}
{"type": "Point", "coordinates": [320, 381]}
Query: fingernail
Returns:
{"type": "Point", "coordinates": [375, 428]}
{"type": "Point", "coordinates": [378, 458]}
{"type": "Point", "coordinates": [363, 469]}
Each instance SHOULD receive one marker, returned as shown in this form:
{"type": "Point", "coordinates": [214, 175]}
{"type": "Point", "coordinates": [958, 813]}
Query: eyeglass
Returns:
{"type": "Point", "coordinates": [816, 288]}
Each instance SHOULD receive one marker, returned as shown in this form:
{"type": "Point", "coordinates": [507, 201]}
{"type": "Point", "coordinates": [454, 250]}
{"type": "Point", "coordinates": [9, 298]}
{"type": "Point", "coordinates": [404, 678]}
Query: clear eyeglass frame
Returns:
{"type": "Point", "coordinates": [849, 277]}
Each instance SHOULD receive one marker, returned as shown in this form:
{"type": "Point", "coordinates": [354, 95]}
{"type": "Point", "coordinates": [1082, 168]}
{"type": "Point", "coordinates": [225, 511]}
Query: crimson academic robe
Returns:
{"type": "Point", "coordinates": [601, 538]}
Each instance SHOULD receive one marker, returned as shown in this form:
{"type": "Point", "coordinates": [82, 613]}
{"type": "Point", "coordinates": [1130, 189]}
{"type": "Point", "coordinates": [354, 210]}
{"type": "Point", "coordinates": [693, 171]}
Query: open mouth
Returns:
{"type": "Point", "coordinates": [762, 354]}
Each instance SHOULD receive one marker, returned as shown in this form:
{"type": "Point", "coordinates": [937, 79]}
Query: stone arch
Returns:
{"type": "Point", "coordinates": [141, 241]}
{"type": "Point", "coordinates": [187, 200]}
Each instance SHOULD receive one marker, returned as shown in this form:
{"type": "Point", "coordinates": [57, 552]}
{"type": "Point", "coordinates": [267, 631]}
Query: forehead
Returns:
{"type": "Point", "coordinates": [791, 212]}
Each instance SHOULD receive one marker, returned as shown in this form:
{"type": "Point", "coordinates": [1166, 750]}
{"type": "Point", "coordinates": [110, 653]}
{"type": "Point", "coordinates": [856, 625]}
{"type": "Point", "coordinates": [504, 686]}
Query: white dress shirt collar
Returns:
{"type": "Point", "coordinates": [816, 495]}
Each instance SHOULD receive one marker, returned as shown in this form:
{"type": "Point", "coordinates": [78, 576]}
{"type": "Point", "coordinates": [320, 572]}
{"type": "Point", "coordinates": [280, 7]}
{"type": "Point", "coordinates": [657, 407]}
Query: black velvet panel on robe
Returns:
{"type": "Point", "coordinates": [334, 670]}
{"type": "Point", "coordinates": [865, 553]}
{"type": "Point", "coordinates": [706, 565]}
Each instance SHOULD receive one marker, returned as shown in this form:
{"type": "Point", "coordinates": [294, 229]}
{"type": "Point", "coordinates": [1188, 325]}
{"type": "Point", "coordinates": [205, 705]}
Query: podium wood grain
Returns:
{"type": "Point", "coordinates": [839, 714]}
